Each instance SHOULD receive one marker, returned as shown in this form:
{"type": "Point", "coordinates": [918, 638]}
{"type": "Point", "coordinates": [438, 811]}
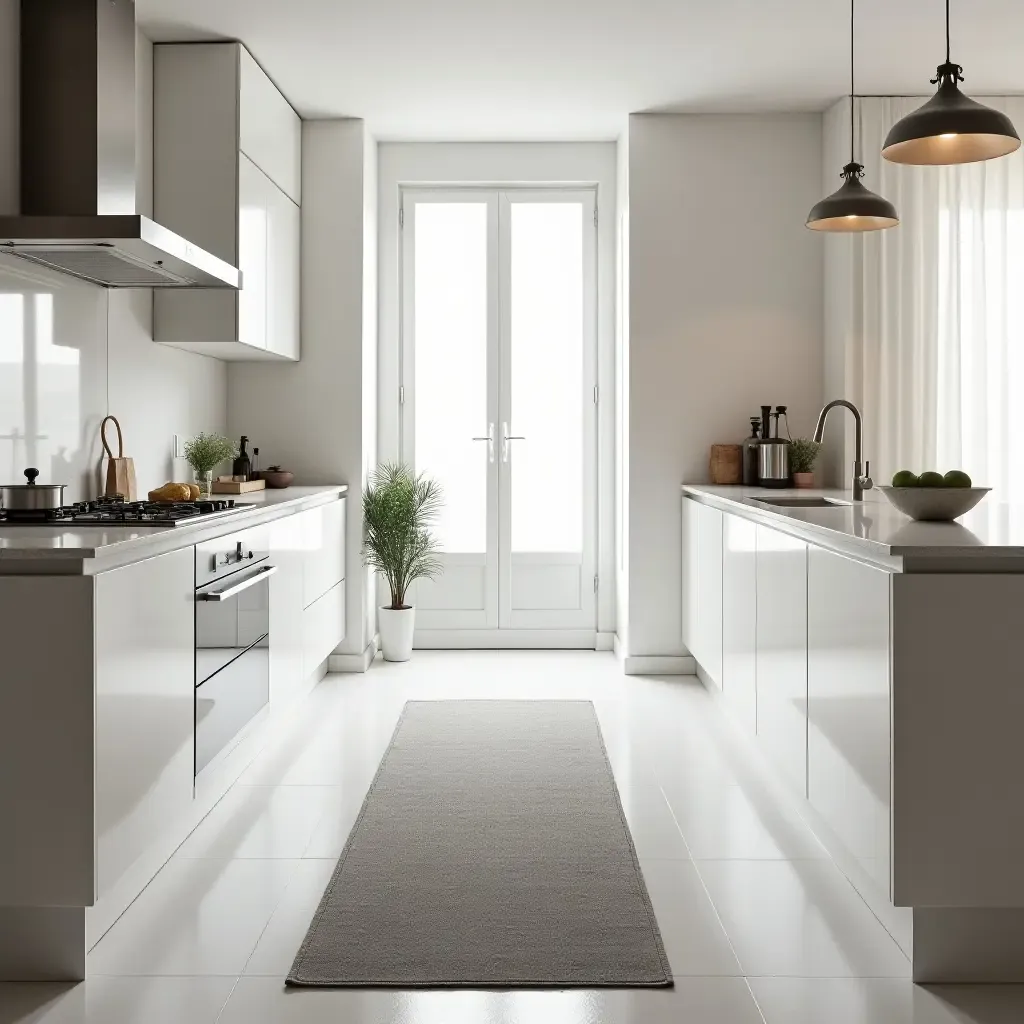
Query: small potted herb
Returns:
{"type": "Point", "coordinates": [802, 456]}
{"type": "Point", "coordinates": [204, 453]}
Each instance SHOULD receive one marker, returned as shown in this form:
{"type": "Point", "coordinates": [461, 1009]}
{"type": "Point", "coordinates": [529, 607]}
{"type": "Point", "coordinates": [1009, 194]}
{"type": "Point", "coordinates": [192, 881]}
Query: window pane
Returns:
{"type": "Point", "coordinates": [450, 325]}
{"type": "Point", "coordinates": [547, 377]}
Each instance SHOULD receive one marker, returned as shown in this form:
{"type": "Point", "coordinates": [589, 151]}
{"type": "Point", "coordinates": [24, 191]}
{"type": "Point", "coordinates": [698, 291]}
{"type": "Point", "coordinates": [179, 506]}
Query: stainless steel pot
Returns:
{"type": "Point", "coordinates": [31, 497]}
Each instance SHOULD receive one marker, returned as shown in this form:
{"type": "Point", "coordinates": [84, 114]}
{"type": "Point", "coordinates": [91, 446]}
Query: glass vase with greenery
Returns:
{"type": "Point", "coordinates": [399, 508]}
{"type": "Point", "coordinates": [204, 453]}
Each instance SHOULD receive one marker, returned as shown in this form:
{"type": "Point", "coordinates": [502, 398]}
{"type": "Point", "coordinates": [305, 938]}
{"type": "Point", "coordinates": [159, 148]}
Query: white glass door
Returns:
{"type": "Point", "coordinates": [498, 371]}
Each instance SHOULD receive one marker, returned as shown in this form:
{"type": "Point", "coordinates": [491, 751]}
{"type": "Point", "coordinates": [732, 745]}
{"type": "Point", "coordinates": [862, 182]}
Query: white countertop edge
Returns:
{"type": "Point", "coordinates": [988, 539]}
{"type": "Point", "coordinates": [838, 541]}
{"type": "Point", "coordinates": [90, 560]}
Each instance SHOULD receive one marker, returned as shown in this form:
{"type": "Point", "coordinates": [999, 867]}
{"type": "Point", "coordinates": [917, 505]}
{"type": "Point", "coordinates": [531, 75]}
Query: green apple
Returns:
{"type": "Point", "coordinates": [904, 478]}
{"type": "Point", "coordinates": [931, 479]}
{"type": "Point", "coordinates": [956, 478]}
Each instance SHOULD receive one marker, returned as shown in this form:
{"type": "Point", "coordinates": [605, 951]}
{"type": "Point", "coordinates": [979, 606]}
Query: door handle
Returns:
{"type": "Point", "coordinates": [490, 441]}
{"type": "Point", "coordinates": [505, 438]}
{"type": "Point", "coordinates": [229, 592]}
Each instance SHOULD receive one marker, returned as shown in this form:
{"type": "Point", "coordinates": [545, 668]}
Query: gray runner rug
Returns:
{"type": "Point", "coordinates": [491, 850]}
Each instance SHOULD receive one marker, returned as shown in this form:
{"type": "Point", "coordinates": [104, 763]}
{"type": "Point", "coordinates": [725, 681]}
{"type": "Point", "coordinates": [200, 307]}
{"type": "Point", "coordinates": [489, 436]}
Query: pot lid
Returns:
{"type": "Point", "coordinates": [30, 474]}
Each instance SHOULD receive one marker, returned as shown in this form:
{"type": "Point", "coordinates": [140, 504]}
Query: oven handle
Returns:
{"type": "Point", "coordinates": [249, 581]}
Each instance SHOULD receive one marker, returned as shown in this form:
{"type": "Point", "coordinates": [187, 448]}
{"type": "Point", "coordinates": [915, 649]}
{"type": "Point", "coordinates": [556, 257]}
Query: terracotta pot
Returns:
{"type": "Point", "coordinates": [803, 480]}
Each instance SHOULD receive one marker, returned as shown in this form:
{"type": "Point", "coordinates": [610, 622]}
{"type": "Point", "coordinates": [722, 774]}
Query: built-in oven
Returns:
{"type": "Point", "coordinates": [232, 639]}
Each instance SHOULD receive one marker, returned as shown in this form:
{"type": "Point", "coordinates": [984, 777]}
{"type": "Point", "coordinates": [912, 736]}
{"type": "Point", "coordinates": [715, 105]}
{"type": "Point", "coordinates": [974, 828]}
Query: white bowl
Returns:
{"type": "Point", "coordinates": [935, 504]}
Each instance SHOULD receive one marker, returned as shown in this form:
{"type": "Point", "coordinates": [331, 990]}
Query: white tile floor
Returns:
{"type": "Point", "coordinates": [758, 924]}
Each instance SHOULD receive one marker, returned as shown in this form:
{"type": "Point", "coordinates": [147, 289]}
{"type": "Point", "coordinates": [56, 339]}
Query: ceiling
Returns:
{"type": "Point", "coordinates": [573, 69]}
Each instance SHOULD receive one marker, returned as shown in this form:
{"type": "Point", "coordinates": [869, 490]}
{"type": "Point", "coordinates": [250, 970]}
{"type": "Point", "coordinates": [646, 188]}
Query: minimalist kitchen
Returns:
{"type": "Point", "coordinates": [500, 530]}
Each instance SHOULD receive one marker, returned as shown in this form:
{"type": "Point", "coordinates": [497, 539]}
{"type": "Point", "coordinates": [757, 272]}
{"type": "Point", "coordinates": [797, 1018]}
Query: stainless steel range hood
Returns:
{"type": "Point", "coordinates": [78, 205]}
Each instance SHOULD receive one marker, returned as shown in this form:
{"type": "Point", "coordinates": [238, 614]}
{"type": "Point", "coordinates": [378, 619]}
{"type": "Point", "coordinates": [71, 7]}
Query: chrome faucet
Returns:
{"type": "Point", "coordinates": [861, 471]}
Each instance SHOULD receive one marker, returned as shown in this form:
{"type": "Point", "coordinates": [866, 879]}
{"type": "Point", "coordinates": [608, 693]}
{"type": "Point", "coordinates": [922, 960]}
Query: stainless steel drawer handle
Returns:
{"type": "Point", "coordinates": [250, 581]}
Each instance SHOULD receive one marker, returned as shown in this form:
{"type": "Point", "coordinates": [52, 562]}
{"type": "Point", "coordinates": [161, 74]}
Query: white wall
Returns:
{"type": "Point", "coordinates": [315, 417]}
{"type": "Point", "coordinates": [622, 393]}
{"type": "Point", "coordinates": [500, 163]}
{"type": "Point", "coordinates": [99, 356]}
{"type": "Point", "coordinates": [725, 313]}
{"type": "Point", "coordinates": [369, 360]}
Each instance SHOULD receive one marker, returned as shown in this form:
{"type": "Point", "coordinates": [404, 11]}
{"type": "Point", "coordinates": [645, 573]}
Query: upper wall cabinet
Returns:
{"type": "Point", "coordinates": [227, 173]}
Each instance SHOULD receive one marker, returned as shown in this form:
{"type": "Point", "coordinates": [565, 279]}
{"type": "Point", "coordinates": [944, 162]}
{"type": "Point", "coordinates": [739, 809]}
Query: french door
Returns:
{"type": "Point", "coordinates": [499, 297]}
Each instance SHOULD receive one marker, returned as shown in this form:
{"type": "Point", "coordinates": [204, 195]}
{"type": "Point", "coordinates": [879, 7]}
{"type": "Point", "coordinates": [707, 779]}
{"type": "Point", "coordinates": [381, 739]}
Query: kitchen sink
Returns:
{"type": "Point", "coordinates": [802, 502]}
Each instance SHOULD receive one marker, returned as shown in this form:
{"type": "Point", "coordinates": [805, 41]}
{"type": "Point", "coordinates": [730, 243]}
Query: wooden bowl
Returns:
{"type": "Point", "coordinates": [282, 478]}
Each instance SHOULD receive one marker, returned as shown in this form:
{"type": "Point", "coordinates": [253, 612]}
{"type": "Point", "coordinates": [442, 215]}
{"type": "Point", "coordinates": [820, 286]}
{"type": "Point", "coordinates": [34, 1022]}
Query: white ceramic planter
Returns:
{"type": "Point", "coordinates": [396, 628]}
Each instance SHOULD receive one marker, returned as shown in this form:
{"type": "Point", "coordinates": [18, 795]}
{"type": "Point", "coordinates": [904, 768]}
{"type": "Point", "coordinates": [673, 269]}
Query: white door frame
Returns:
{"type": "Point", "coordinates": [493, 165]}
{"type": "Point", "coordinates": [586, 617]}
{"type": "Point", "coordinates": [468, 619]}
{"type": "Point", "coordinates": [506, 625]}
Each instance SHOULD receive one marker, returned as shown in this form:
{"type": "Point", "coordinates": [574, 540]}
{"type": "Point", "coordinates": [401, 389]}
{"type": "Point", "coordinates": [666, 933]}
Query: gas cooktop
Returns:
{"type": "Point", "coordinates": [114, 512]}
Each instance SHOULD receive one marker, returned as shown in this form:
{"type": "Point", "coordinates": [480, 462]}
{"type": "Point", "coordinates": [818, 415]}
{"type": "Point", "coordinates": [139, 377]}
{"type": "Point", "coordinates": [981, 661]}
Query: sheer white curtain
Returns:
{"type": "Point", "coordinates": [932, 346]}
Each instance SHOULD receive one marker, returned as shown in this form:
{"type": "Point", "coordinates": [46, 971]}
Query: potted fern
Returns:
{"type": "Point", "coordinates": [399, 507]}
{"type": "Point", "coordinates": [802, 455]}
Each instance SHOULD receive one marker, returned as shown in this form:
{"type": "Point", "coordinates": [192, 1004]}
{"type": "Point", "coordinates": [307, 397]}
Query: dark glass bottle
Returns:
{"type": "Point", "coordinates": [240, 468]}
{"type": "Point", "coordinates": [750, 446]}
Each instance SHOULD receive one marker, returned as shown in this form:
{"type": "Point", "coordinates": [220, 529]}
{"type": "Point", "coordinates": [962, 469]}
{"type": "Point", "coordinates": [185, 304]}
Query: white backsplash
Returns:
{"type": "Point", "coordinates": [70, 353]}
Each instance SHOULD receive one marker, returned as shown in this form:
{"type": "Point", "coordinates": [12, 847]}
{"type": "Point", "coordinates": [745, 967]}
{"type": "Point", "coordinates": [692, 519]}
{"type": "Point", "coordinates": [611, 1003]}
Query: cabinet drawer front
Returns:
{"type": "Point", "coordinates": [323, 627]}
{"type": "Point", "coordinates": [270, 132]}
{"type": "Point", "coordinates": [324, 529]}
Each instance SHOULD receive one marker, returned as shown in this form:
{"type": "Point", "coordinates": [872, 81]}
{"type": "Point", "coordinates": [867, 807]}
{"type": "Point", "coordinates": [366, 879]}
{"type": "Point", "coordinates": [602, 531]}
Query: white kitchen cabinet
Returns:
{"type": "Point", "coordinates": [323, 627]}
{"type": "Point", "coordinates": [307, 596]}
{"type": "Point", "coordinates": [709, 591]}
{"type": "Point", "coordinates": [690, 547]}
{"type": "Point", "coordinates": [782, 653]}
{"type": "Point", "coordinates": [702, 585]}
{"type": "Point", "coordinates": [324, 528]}
{"type": "Point", "coordinates": [269, 130]}
{"type": "Point", "coordinates": [145, 706]}
{"type": "Point", "coordinates": [253, 189]}
{"type": "Point", "coordinates": [287, 643]}
{"type": "Point", "coordinates": [739, 619]}
{"type": "Point", "coordinates": [226, 173]}
{"type": "Point", "coordinates": [283, 274]}
{"type": "Point", "coordinates": [848, 719]}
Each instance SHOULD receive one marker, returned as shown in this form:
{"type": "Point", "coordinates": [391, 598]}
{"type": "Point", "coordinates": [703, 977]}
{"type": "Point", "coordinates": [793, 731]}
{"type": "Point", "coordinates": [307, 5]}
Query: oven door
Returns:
{"type": "Point", "coordinates": [232, 657]}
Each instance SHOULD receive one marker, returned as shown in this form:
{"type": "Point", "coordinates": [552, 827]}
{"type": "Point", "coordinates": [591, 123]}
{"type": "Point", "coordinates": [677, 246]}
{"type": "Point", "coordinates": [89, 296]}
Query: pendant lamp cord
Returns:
{"type": "Point", "coordinates": [851, 81]}
{"type": "Point", "coordinates": [947, 31]}
{"type": "Point", "coordinates": [948, 72]}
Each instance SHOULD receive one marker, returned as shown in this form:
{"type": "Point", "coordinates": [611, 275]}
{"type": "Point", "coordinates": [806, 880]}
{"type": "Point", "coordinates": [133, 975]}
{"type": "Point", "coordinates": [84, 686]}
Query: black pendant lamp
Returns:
{"type": "Point", "coordinates": [852, 207]}
{"type": "Point", "coordinates": [950, 128]}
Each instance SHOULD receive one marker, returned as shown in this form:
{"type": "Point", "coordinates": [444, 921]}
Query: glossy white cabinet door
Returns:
{"type": "Point", "coordinates": [324, 527]}
{"type": "Point", "coordinates": [323, 626]}
{"type": "Point", "coordinates": [848, 742]}
{"type": "Point", "coordinates": [782, 654]}
{"type": "Point", "coordinates": [269, 130]}
{"type": "Point", "coordinates": [690, 547]}
{"type": "Point", "coordinates": [709, 591]}
{"type": "Point", "coordinates": [287, 648]}
{"type": "Point", "coordinates": [253, 192]}
{"type": "Point", "coordinates": [145, 706]}
{"type": "Point", "coordinates": [283, 256]}
{"type": "Point", "coordinates": [739, 619]}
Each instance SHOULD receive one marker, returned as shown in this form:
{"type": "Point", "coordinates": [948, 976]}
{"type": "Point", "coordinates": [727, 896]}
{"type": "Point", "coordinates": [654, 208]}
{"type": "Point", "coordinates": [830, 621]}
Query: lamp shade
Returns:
{"type": "Point", "coordinates": [852, 207]}
{"type": "Point", "coordinates": [950, 128]}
